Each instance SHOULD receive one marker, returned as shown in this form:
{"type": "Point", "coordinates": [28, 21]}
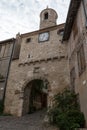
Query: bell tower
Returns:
{"type": "Point", "coordinates": [48, 17]}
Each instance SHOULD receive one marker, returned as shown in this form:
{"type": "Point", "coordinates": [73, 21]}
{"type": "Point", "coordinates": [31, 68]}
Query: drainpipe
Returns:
{"type": "Point", "coordinates": [8, 71]}
{"type": "Point", "coordinates": [85, 12]}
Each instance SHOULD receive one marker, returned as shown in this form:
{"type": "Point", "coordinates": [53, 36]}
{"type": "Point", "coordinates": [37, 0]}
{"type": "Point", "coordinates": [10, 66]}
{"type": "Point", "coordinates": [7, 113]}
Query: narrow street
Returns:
{"type": "Point", "coordinates": [29, 122]}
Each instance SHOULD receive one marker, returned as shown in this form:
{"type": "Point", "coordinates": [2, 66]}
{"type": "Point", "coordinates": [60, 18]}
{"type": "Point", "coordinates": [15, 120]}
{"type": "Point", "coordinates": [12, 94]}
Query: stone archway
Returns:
{"type": "Point", "coordinates": [35, 95]}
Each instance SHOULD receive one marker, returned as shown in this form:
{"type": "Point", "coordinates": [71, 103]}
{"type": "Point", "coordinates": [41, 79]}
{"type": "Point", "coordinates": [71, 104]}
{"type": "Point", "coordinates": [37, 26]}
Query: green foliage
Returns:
{"type": "Point", "coordinates": [66, 111]}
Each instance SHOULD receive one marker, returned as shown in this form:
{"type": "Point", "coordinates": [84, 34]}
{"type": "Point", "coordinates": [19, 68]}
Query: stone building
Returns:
{"type": "Point", "coordinates": [75, 36]}
{"type": "Point", "coordinates": [6, 50]}
{"type": "Point", "coordinates": [39, 69]}
{"type": "Point", "coordinates": [42, 63]}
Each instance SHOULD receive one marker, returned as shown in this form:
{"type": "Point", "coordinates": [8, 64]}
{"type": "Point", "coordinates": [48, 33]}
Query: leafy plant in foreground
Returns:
{"type": "Point", "coordinates": [65, 112]}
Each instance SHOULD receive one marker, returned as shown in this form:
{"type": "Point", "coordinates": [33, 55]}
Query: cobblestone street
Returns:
{"type": "Point", "coordinates": [28, 122]}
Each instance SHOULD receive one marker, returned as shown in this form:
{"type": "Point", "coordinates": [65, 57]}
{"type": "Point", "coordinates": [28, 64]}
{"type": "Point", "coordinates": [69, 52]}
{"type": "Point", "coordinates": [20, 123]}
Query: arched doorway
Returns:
{"type": "Point", "coordinates": [35, 96]}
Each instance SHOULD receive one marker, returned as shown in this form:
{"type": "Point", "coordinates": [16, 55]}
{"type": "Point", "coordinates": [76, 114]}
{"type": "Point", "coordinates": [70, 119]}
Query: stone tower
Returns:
{"type": "Point", "coordinates": [42, 60]}
{"type": "Point", "coordinates": [48, 18]}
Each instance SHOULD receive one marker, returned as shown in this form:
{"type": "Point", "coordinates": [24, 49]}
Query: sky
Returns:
{"type": "Point", "coordinates": [23, 15]}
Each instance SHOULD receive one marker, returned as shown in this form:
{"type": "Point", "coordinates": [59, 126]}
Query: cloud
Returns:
{"type": "Point", "coordinates": [23, 15]}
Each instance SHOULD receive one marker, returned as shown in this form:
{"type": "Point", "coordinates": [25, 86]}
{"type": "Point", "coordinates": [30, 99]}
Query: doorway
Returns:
{"type": "Point", "coordinates": [35, 96]}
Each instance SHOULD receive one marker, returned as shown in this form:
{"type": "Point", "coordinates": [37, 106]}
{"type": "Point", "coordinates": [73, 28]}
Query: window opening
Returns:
{"type": "Point", "coordinates": [0, 48]}
{"type": "Point", "coordinates": [28, 40]}
{"type": "Point", "coordinates": [81, 60]}
{"type": "Point", "coordinates": [72, 79]}
{"type": "Point", "coordinates": [46, 16]}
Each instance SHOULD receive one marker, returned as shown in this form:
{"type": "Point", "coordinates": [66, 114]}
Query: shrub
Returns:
{"type": "Point", "coordinates": [66, 111]}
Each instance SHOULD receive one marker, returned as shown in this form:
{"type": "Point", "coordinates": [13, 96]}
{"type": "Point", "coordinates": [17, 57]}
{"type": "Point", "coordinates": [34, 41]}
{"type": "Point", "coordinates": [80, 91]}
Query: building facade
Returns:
{"type": "Point", "coordinates": [37, 65]}
{"type": "Point", "coordinates": [75, 36]}
{"type": "Point", "coordinates": [39, 59]}
{"type": "Point", "coordinates": [6, 50]}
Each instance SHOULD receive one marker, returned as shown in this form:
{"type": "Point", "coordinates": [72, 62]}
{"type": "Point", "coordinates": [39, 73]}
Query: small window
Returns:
{"type": "Point", "coordinates": [28, 56]}
{"type": "Point", "coordinates": [28, 40]}
{"type": "Point", "coordinates": [46, 16]}
{"type": "Point", "coordinates": [72, 79]}
{"type": "Point", "coordinates": [36, 69]}
{"type": "Point", "coordinates": [75, 29]}
{"type": "Point", "coordinates": [60, 32]}
{"type": "Point", "coordinates": [0, 48]}
{"type": "Point", "coordinates": [6, 50]}
{"type": "Point", "coordinates": [81, 60]}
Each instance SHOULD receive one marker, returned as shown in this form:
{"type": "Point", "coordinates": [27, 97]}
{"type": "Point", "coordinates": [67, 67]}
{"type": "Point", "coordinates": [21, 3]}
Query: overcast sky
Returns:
{"type": "Point", "coordinates": [23, 15]}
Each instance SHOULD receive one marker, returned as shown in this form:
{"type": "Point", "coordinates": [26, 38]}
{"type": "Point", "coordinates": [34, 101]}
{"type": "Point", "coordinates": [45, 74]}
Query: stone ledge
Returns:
{"type": "Point", "coordinates": [58, 58]}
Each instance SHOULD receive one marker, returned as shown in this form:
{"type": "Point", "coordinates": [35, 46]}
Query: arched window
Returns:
{"type": "Point", "coordinates": [46, 16]}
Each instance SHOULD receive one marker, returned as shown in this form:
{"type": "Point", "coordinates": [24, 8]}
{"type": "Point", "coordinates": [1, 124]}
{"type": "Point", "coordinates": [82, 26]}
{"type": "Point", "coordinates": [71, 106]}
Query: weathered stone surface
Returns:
{"type": "Point", "coordinates": [47, 61]}
{"type": "Point", "coordinates": [29, 122]}
{"type": "Point", "coordinates": [78, 38]}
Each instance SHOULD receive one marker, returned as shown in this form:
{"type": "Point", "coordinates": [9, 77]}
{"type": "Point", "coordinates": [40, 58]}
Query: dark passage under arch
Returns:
{"type": "Point", "coordinates": [35, 96]}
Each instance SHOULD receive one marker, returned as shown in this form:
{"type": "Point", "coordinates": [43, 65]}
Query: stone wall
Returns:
{"type": "Point", "coordinates": [78, 37]}
{"type": "Point", "coordinates": [41, 50]}
{"type": "Point", "coordinates": [47, 61]}
{"type": "Point", "coordinates": [52, 18]}
{"type": "Point", "coordinates": [54, 71]}
{"type": "Point", "coordinates": [6, 49]}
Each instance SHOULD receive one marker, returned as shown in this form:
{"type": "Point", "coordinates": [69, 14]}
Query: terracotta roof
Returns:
{"type": "Point", "coordinates": [73, 9]}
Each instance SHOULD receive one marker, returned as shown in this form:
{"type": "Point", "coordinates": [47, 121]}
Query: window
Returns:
{"type": "Point", "coordinates": [85, 9]}
{"type": "Point", "coordinates": [6, 50]}
{"type": "Point", "coordinates": [46, 16]}
{"type": "Point", "coordinates": [72, 79]}
{"type": "Point", "coordinates": [75, 29]}
{"type": "Point", "coordinates": [29, 56]}
{"type": "Point", "coordinates": [36, 69]}
{"type": "Point", "coordinates": [0, 48]}
{"type": "Point", "coordinates": [60, 31]}
{"type": "Point", "coordinates": [28, 40]}
{"type": "Point", "coordinates": [81, 60]}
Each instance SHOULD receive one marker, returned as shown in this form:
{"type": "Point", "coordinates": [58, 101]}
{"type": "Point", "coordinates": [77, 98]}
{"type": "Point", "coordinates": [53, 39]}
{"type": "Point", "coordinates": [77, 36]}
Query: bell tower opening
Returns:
{"type": "Point", "coordinates": [35, 96]}
{"type": "Point", "coordinates": [46, 16]}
